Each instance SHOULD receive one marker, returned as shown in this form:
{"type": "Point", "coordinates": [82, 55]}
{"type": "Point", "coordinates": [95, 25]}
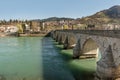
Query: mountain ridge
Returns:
{"type": "Point", "coordinates": [111, 15]}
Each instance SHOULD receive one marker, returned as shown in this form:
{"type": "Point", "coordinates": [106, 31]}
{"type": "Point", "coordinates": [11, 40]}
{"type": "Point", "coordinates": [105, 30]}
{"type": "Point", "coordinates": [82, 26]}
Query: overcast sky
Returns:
{"type": "Point", "coordinates": [39, 9]}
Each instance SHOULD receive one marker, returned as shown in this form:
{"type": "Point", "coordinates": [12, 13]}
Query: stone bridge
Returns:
{"type": "Point", "coordinates": [88, 43]}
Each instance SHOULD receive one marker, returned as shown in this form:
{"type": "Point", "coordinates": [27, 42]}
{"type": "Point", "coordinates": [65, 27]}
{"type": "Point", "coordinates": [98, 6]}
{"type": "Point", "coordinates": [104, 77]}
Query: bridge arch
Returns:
{"type": "Point", "coordinates": [70, 40]}
{"type": "Point", "coordinates": [62, 38]}
{"type": "Point", "coordinates": [91, 48]}
{"type": "Point", "coordinates": [108, 66]}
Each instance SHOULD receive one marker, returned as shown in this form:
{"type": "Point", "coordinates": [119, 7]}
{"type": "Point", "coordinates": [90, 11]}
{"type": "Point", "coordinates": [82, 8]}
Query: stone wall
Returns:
{"type": "Point", "coordinates": [108, 43]}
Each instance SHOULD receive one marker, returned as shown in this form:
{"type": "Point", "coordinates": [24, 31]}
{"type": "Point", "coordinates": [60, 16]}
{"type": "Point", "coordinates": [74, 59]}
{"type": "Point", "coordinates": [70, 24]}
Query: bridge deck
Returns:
{"type": "Point", "coordinates": [106, 33]}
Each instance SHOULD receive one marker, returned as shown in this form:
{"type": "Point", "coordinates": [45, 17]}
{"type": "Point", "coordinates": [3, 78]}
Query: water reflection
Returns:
{"type": "Point", "coordinates": [54, 67]}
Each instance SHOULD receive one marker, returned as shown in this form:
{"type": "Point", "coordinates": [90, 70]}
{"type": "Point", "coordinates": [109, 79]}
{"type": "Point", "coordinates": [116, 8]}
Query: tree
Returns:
{"type": "Point", "coordinates": [20, 28]}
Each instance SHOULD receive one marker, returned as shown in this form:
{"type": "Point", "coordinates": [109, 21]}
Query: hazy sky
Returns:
{"type": "Point", "coordinates": [39, 9]}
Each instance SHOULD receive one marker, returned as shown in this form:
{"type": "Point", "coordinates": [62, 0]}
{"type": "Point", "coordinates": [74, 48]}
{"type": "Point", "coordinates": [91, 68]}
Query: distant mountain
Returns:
{"type": "Point", "coordinates": [111, 15]}
{"type": "Point", "coordinates": [52, 19]}
{"type": "Point", "coordinates": [113, 12]}
{"type": "Point", "coordinates": [57, 19]}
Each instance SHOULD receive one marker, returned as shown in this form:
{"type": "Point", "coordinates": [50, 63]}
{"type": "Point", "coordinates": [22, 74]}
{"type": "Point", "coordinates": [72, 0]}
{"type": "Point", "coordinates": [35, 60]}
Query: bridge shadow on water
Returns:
{"type": "Point", "coordinates": [53, 66]}
{"type": "Point", "coordinates": [58, 64]}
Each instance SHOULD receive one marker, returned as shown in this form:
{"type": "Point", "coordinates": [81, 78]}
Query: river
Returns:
{"type": "Point", "coordinates": [39, 58]}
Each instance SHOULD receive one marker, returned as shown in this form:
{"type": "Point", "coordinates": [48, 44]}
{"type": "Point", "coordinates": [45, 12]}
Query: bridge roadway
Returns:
{"type": "Point", "coordinates": [107, 33]}
{"type": "Point", "coordinates": [88, 43]}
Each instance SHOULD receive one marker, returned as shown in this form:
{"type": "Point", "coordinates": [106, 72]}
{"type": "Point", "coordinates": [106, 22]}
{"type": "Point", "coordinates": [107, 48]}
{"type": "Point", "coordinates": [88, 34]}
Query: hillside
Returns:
{"type": "Point", "coordinates": [53, 19]}
{"type": "Point", "coordinates": [113, 12]}
{"type": "Point", "coordinates": [111, 15]}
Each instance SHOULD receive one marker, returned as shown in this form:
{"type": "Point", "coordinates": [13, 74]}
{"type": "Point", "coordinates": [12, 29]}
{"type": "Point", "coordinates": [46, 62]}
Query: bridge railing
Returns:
{"type": "Point", "coordinates": [108, 33]}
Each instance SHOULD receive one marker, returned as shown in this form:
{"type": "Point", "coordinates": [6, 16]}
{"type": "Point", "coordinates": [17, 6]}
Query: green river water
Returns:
{"type": "Point", "coordinates": [39, 58]}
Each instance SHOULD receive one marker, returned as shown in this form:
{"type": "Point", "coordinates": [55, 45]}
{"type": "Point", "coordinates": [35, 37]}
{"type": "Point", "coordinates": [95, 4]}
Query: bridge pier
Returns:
{"type": "Point", "coordinates": [106, 68]}
{"type": "Point", "coordinates": [66, 43]}
{"type": "Point", "coordinates": [69, 42]}
{"type": "Point", "coordinates": [54, 35]}
{"type": "Point", "coordinates": [64, 38]}
{"type": "Point", "coordinates": [56, 39]}
{"type": "Point", "coordinates": [77, 50]}
{"type": "Point", "coordinates": [88, 42]}
{"type": "Point", "coordinates": [88, 49]}
{"type": "Point", "coordinates": [61, 38]}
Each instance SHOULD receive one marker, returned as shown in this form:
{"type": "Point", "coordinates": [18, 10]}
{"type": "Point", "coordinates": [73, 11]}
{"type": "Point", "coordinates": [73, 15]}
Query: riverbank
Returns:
{"type": "Point", "coordinates": [24, 34]}
{"type": "Point", "coordinates": [32, 35]}
{"type": "Point", "coordinates": [35, 34]}
{"type": "Point", "coordinates": [82, 69]}
{"type": "Point", "coordinates": [9, 34]}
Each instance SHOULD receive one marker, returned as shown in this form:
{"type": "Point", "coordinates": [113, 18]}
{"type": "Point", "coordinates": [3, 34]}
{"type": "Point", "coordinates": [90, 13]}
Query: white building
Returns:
{"type": "Point", "coordinates": [11, 29]}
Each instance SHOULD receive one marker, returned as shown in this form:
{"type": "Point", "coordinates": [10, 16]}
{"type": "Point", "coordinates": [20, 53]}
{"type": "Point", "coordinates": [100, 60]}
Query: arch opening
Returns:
{"type": "Point", "coordinates": [70, 41]}
{"type": "Point", "coordinates": [73, 41]}
{"type": "Point", "coordinates": [91, 49]}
